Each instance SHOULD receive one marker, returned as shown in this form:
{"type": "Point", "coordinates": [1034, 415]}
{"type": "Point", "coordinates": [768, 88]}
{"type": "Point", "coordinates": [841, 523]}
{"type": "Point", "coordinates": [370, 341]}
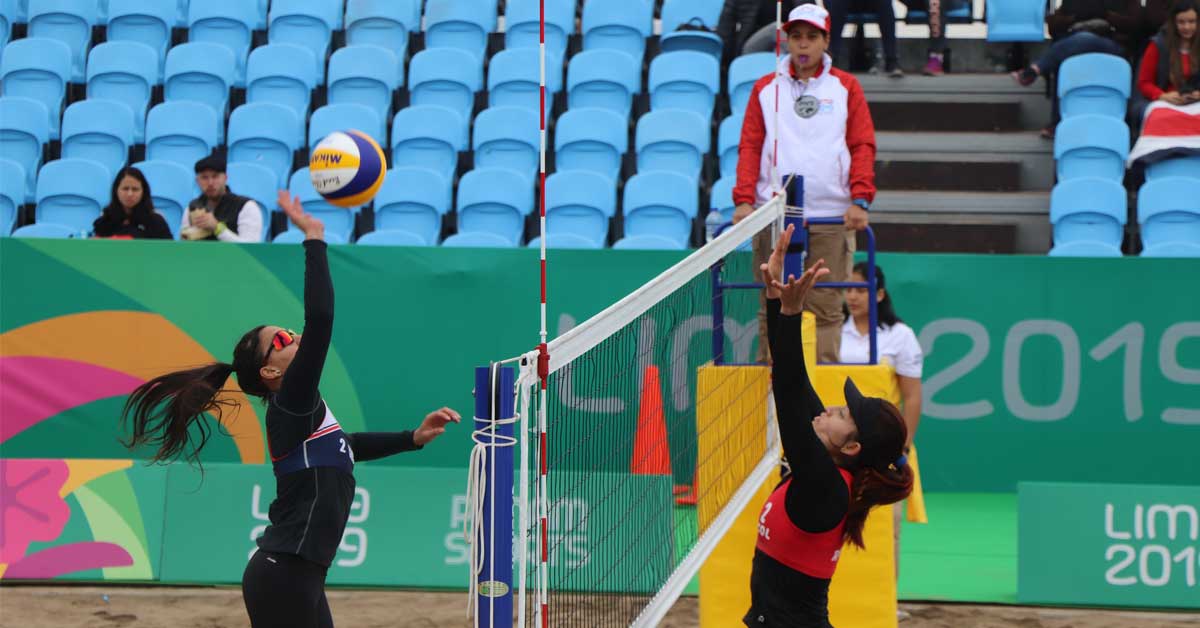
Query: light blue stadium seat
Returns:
{"type": "Point", "coordinates": [8, 16]}
{"type": "Point", "coordinates": [38, 68]}
{"type": "Point", "coordinates": [729, 134]}
{"type": "Point", "coordinates": [24, 131]}
{"type": "Point", "coordinates": [125, 71]}
{"type": "Point", "coordinates": [68, 21]}
{"type": "Point", "coordinates": [591, 139]}
{"type": "Point", "coordinates": [227, 22]}
{"type": "Point", "coordinates": [44, 230]}
{"type": "Point", "coordinates": [260, 14]}
{"type": "Point", "coordinates": [343, 117]}
{"type": "Point", "coordinates": [147, 22]}
{"type": "Point", "coordinates": [513, 80]}
{"type": "Point", "coordinates": [182, 132]}
{"type": "Point", "coordinates": [696, 12]}
{"type": "Point", "coordinates": [100, 130]}
{"type": "Point", "coordinates": [744, 72]}
{"type": "Point", "coordinates": [478, 240]}
{"type": "Point", "coordinates": [1180, 166]}
{"type": "Point", "coordinates": [460, 24]}
{"type": "Point", "coordinates": [266, 134]}
{"type": "Point", "coordinates": [580, 203]}
{"type": "Point", "coordinates": [200, 72]}
{"type": "Point", "coordinates": [660, 203]}
{"type": "Point", "coordinates": [1094, 83]}
{"type": "Point", "coordinates": [414, 200]}
{"type": "Point", "coordinates": [295, 236]}
{"type": "Point", "coordinates": [720, 197]}
{"type": "Point", "coordinates": [684, 80]}
{"type": "Point", "coordinates": [565, 240]}
{"type": "Point", "coordinates": [1016, 20]}
{"type": "Point", "coordinates": [384, 23]}
{"type": "Point", "coordinates": [649, 242]}
{"type": "Point", "coordinates": [1091, 146]}
{"type": "Point", "coordinates": [428, 136]}
{"type": "Point", "coordinates": [607, 79]}
{"type": "Point", "coordinates": [307, 23]}
{"type": "Point", "coordinates": [1088, 215]}
{"type": "Point", "coordinates": [390, 237]}
{"type": "Point", "coordinates": [257, 182]}
{"type": "Point", "coordinates": [182, 15]}
{"type": "Point", "coordinates": [621, 25]}
{"type": "Point", "coordinates": [522, 20]}
{"type": "Point", "coordinates": [448, 77]}
{"type": "Point", "coordinates": [12, 194]}
{"type": "Point", "coordinates": [366, 75]}
{"type": "Point", "coordinates": [338, 221]}
{"type": "Point", "coordinates": [507, 137]}
{"type": "Point", "coordinates": [172, 188]}
{"type": "Point", "coordinates": [673, 140]}
{"type": "Point", "coordinates": [15, 11]}
{"type": "Point", "coordinates": [71, 192]}
{"type": "Point", "coordinates": [1169, 215]}
{"type": "Point", "coordinates": [494, 200]}
{"type": "Point", "coordinates": [284, 74]}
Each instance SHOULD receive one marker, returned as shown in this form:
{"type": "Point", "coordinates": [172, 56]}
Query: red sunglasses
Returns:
{"type": "Point", "coordinates": [281, 339]}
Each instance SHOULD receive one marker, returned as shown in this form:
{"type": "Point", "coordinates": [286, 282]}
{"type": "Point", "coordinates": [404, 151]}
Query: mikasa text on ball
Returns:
{"type": "Point", "coordinates": [347, 168]}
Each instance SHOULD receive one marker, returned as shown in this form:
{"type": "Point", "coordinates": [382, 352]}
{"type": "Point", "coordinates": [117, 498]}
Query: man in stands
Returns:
{"type": "Point", "coordinates": [826, 135]}
{"type": "Point", "coordinates": [218, 213]}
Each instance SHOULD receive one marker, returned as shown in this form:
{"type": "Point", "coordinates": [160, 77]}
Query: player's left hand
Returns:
{"type": "Point", "coordinates": [434, 425]}
{"type": "Point", "coordinates": [795, 291]}
{"type": "Point", "coordinates": [856, 218]}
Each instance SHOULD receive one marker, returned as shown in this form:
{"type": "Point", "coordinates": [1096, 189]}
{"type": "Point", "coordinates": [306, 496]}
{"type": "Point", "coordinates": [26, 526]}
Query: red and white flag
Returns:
{"type": "Point", "coordinates": [1167, 131]}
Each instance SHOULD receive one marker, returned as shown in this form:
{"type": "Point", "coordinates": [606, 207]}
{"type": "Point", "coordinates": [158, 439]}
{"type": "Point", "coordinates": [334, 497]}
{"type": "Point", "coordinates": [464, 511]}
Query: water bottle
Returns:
{"type": "Point", "coordinates": [712, 222]}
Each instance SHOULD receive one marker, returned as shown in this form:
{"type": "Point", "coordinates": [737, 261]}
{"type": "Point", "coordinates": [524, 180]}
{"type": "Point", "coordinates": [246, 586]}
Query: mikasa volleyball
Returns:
{"type": "Point", "coordinates": [347, 168]}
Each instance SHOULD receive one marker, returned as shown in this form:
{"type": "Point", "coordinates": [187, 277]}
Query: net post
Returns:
{"type": "Point", "coordinates": [494, 418]}
{"type": "Point", "coordinates": [793, 262]}
{"type": "Point", "coordinates": [872, 306]}
{"type": "Point", "coordinates": [718, 314]}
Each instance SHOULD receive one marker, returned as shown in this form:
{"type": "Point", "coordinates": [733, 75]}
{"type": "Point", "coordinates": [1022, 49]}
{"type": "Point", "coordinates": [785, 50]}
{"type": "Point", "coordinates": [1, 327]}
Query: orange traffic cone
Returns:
{"type": "Point", "coordinates": [651, 455]}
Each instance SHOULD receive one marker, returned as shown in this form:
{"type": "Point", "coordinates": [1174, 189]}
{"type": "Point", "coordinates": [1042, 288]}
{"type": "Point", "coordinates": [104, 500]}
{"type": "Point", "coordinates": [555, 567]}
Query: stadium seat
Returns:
{"type": "Point", "coordinates": [591, 139]}
{"type": "Point", "coordinates": [68, 21]}
{"type": "Point", "coordinates": [414, 200]}
{"type": "Point", "coordinates": [306, 23]}
{"type": "Point", "coordinates": [172, 187]}
{"type": "Point", "coordinates": [390, 237]}
{"type": "Point", "coordinates": [744, 72]}
{"type": "Point", "coordinates": [649, 242]}
{"type": "Point", "coordinates": [258, 183]}
{"type": "Point", "coordinates": [1182, 166]}
{"type": "Point", "coordinates": [507, 137]}
{"type": "Point", "coordinates": [338, 221]}
{"type": "Point", "coordinates": [125, 71]}
{"type": "Point", "coordinates": [513, 80]}
{"type": "Point", "coordinates": [1016, 20]}
{"type": "Point", "coordinates": [621, 25]}
{"type": "Point", "coordinates": [8, 16]}
{"type": "Point", "coordinates": [565, 240]}
{"type": "Point", "coordinates": [580, 203]}
{"type": "Point", "coordinates": [342, 117]}
{"type": "Point", "coordinates": [728, 136]}
{"type": "Point", "coordinates": [147, 22]}
{"type": "Point", "coordinates": [283, 74]}
{"type": "Point", "coordinates": [44, 230]}
{"type": "Point", "coordinates": [676, 13]}
{"type": "Point", "coordinates": [24, 131]}
{"type": "Point", "coordinates": [295, 236]}
{"type": "Point", "coordinates": [494, 200]}
{"type": "Point", "coordinates": [1094, 83]}
{"type": "Point", "coordinates": [603, 78]}
{"type": "Point", "coordinates": [1091, 146]}
{"type": "Point", "coordinates": [100, 130]}
{"type": "Point", "coordinates": [200, 72]}
{"type": "Point", "coordinates": [71, 192]}
{"type": "Point", "coordinates": [955, 12]}
{"type": "Point", "coordinates": [428, 136]}
{"type": "Point", "coordinates": [227, 22]}
{"type": "Point", "coordinates": [478, 240]}
{"type": "Point", "coordinates": [522, 24]}
{"type": "Point", "coordinates": [684, 80]}
{"type": "Point", "coordinates": [384, 23]}
{"type": "Point", "coordinates": [1169, 215]}
{"type": "Point", "coordinates": [38, 68]}
{"type": "Point", "coordinates": [366, 75]}
{"type": "Point", "coordinates": [460, 24]}
{"type": "Point", "coordinates": [447, 77]}
{"type": "Point", "coordinates": [720, 197]}
{"type": "Point", "coordinates": [660, 203]}
{"type": "Point", "coordinates": [673, 140]}
{"type": "Point", "coordinates": [182, 17]}
{"type": "Point", "coordinates": [266, 134]}
{"type": "Point", "coordinates": [182, 132]}
{"type": "Point", "coordinates": [1088, 216]}
{"type": "Point", "coordinates": [12, 194]}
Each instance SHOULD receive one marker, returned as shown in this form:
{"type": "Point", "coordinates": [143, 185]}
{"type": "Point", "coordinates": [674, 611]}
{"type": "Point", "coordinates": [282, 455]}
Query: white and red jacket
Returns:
{"type": "Point", "coordinates": [834, 149]}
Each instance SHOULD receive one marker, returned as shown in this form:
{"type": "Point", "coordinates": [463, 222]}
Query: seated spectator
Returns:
{"type": "Point", "coordinates": [218, 213]}
{"type": "Point", "coordinates": [1171, 64]}
{"type": "Point", "coordinates": [748, 26]}
{"type": "Point", "coordinates": [130, 212]}
{"type": "Point", "coordinates": [838, 11]}
{"type": "Point", "coordinates": [936, 9]}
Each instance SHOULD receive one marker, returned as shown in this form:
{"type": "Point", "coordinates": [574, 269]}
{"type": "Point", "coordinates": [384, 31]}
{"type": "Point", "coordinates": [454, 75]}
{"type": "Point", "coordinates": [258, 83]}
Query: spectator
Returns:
{"type": "Point", "coordinates": [1171, 62]}
{"type": "Point", "coordinates": [935, 55]}
{"type": "Point", "coordinates": [130, 212]}
{"type": "Point", "coordinates": [838, 10]}
{"type": "Point", "coordinates": [825, 135]}
{"type": "Point", "coordinates": [218, 213]}
{"type": "Point", "coordinates": [749, 25]}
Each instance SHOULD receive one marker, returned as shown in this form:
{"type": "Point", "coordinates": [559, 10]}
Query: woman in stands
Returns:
{"type": "Point", "coordinates": [1170, 69]}
{"type": "Point", "coordinates": [130, 212]}
{"type": "Point", "coordinates": [284, 583]}
{"type": "Point", "coordinates": [844, 461]}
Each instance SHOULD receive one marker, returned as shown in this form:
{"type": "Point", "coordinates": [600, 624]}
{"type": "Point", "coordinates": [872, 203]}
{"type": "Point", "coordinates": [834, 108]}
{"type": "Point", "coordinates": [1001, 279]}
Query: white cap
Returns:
{"type": "Point", "coordinates": [810, 13]}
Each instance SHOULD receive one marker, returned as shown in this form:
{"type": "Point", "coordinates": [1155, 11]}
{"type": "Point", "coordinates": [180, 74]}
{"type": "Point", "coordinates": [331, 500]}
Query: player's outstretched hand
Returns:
{"type": "Point", "coordinates": [434, 425]}
{"type": "Point", "coordinates": [312, 227]}
{"type": "Point", "coordinates": [773, 269]}
{"type": "Point", "coordinates": [793, 294]}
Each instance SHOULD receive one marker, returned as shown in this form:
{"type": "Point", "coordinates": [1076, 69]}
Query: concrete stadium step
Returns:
{"type": "Point", "coordinates": [1012, 222]}
{"type": "Point", "coordinates": [955, 102]}
{"type": "Point", "coordinates": [1020, 161]}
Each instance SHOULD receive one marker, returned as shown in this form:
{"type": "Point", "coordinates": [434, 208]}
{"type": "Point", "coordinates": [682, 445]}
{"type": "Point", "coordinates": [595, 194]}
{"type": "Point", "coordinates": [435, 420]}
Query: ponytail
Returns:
{"type": "Point", "coordinates": [161, 412]}
{"type": "Point", "coordinates": [873, 487]}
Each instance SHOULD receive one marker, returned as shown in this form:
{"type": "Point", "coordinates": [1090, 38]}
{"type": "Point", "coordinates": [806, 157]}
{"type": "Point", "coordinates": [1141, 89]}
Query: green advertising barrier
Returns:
{"type": "Point", "coordinates": [1109, 545]}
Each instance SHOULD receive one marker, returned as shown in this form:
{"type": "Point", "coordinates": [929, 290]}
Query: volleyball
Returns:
{"type": "Point", "coordinates": [347, 168]}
